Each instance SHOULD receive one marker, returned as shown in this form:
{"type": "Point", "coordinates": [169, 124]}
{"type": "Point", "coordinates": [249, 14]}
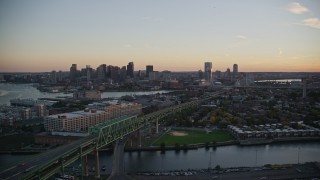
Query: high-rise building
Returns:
{"type": "Point", "coordinates": [235, 70]}
{"type": "Point", "coordinates": [149, 68]}
{"type": "Point", "coordinates": [123, 73]}
{"type": "Point", "coordinates": [102, 72]}
{"type": "Point", "coordinates": [115, 73]}
{"type": "Point", "coordinates": [228, 73]}
{"type": "Point", "coordinates": [208, 71]}
{"type": "Point", "coordinates": [73, 71]}
{"type": "Point", "coordinates": [130, 69]}
{"type": "Point", "coordinates": [109, 71]}
{"type": "Point", "coordinates": [89, 72]}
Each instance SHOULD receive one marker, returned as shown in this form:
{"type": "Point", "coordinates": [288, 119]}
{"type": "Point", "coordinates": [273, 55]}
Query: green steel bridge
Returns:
{"type": "Point", "coordinates": [46, 164]}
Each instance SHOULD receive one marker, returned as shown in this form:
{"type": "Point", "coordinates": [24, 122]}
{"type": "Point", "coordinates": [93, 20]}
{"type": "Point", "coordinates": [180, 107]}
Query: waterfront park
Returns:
{"type": "Point", "coordinates": [189, 137]}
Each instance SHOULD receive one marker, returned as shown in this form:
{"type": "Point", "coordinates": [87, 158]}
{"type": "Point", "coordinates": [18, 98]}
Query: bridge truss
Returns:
{"type": "Point", "coordinates": [102, 135]}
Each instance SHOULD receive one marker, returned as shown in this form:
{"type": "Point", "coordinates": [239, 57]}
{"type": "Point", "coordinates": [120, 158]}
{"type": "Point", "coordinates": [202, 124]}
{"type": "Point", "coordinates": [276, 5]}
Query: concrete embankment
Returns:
{"type": "Point", "coordinates": [276, 140]}
{"type": "Point", "coordinates": [181, 147]}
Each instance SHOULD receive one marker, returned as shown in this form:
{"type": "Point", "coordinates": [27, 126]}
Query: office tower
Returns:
{"type": "Point", "coordinates": [115, 73]}
{"type": "Point", "coordinates": [130, 69]}
{"type": "Point", "coordinates": [89, 72]}
{"type": "Point", "coordinates": [73, 71]}
{"type": "Point", "coordinates": [208, 71]}
{"type": "Point", "coordinates": [149, 68]}
{"type": "Point", "coordinates": [123, 73]}
{"type": "Point", "coordinates": [235, 70]}
{"type": "Point", "coordinates": [228, 73]}
{"type": "Point", "coordinates": [109, 71]}
{"type": "Point", "coordinates": [102, 72]}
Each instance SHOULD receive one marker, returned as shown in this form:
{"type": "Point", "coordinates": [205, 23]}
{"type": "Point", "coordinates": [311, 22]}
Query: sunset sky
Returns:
{"type": "Point", "coordinates": [176, 35]}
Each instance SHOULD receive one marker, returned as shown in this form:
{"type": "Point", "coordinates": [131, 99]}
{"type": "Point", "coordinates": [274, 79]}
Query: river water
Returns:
{"type": "Point", "coordinates": [225, 156]}
{"type": "Point", "coordinates": [11, 91]}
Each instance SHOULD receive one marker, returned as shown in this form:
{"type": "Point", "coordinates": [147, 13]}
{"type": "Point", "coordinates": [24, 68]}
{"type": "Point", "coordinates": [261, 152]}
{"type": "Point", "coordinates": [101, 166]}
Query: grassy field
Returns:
{"type": "Point", "coordinates": [193, 137]}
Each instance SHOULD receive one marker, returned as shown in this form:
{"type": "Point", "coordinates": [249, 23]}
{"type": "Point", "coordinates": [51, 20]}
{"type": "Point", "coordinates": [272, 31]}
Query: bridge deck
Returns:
{"type": "Point", "coordinates": [95, 129]}
{"type": "Point", "coordinates": [46, 164]}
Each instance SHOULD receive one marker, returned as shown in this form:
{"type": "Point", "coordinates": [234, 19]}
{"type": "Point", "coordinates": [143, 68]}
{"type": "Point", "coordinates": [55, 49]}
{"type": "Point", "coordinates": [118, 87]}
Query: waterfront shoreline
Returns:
{"type": "Point", "coordinates": [181, 148]}
{"type": "Point", "coordinates": [278, 140]}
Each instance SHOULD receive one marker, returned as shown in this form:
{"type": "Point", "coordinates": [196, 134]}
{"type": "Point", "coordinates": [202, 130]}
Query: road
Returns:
{"type": "Point", "coordinates": [18, 171]}
{"type": "Point", "coordinates": [50, 157]}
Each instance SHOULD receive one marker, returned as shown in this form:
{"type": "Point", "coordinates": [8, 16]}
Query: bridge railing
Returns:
{"type": "Point", "coordinates": [101, 135]}
{"type": "Point", "coordinates": [114, 129]}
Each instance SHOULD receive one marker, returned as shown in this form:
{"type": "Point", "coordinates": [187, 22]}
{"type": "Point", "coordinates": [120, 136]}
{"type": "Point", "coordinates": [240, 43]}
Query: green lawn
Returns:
{"type": "Point", "coordinates": [193, 137]}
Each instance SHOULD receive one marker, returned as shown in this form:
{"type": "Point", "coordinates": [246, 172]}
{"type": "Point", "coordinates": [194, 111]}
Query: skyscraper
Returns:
{"type": "Point", "coordinates": [89, 72]}
{"type": "Point", "coordinates": [123, 73]}
{"type": "Point", "coordinates": [228, 73]}
{"type": "Point", "coordinates": [235, 70]}
{"type": "Point", "coordinates": [208, 71]}
{"type": "Point", "coordinates": [102, 72]}
{"type": "Point", "coordinates": [149, 68]}
{"type": "Point", "coordinates": [130, 69]}
{"type": "Point", "coordinates": [73, 71]}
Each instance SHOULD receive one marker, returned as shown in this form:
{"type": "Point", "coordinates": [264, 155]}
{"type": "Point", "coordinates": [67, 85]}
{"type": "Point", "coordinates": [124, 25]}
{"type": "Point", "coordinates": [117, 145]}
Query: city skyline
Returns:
{"type": "Point", "coordinates": [271, 36]}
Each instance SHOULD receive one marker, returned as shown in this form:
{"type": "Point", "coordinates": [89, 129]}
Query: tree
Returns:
{"type": "Point", "coordinates": [177, 146]}
{"type": "Point", "coordinates": [162, 146]}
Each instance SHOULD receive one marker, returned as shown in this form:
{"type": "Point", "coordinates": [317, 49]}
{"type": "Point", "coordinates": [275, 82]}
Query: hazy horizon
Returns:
{"type": "Point", "coordinates": [179, 36]}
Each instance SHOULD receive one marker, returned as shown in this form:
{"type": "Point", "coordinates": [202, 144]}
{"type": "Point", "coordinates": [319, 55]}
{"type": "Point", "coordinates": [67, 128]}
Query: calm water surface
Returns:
{"type": "Point", "coordinates": [225, 156]}
{"type": "Point", "coordinates": [11, 91]}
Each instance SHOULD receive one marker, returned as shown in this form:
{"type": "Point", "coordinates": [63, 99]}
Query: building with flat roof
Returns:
{"type": "Point", "coordinates": [149, 68]}
{"type": "Point", "coordinates": [80, 121]}
{"type": "Point", "coordinates": [208, 71]}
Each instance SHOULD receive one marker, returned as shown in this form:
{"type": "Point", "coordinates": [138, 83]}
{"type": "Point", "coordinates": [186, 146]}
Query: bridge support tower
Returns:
{"type": "Point", "coordinates": [97, 164]}
{"type": "Point", "coordinates": [85, 171]}
{"type": "Point", "coordinates": [118, 161]}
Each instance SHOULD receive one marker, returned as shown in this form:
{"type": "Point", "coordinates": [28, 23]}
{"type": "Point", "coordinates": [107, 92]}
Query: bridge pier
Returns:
{"type": "Point", "coordinates": [85, 171]}
{"type": "Point", "coordinates": [130, 141]}
{"type": "Point", "coordinates": [118, 161]}
{"type": "Point", "coordinates": [62, 166]}
{"type": "Point", "coordinates": [97, 164]}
